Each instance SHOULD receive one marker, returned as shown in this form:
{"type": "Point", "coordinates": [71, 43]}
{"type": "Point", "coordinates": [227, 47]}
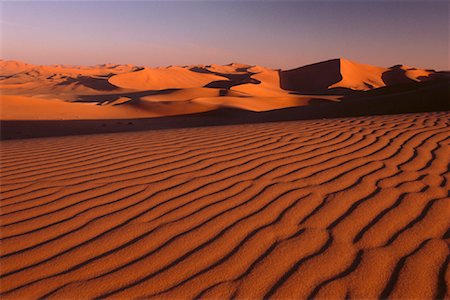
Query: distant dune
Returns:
{"type": "Point", "coordinates": [327, 181]}
{"type": "Point", "coordinates": [330, 75]}
{"type": "Point", "coordinates": [327, 209]}
{"type": "Point", "coordinates": [162, 78]}
{"type": "Point", "coordinates": [106, 92]}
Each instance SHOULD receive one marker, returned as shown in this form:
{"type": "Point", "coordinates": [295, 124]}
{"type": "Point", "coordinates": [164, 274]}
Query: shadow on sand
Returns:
{"type": "Point", "coordinates": [407, 98]}
{"type": "Point", "coordinates": [110, 98]}
{"type": "Point", "coordinates": [99, 84]}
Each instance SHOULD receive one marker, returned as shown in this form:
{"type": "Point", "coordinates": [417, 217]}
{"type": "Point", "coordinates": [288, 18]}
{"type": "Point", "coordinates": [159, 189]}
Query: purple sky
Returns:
{"type": "Point", "coordinates": [278, 34]}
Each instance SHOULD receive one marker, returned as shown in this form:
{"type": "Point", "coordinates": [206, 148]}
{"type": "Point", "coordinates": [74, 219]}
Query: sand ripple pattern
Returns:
{"type": "Point", "coordinates": [338, 208]}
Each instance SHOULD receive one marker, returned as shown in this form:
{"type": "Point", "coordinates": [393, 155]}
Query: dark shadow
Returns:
{"type": "Point", "coordinates": [99, 84]}
{"type": "Point", "coordinates": [338, 91]}
{"type": "Point", "coordinates": [410, 90]}
{"type": "Point", "coordinates": [200, 70]}
{"type": "Point", "coordinates": [233, 79]}
{"type": "Point", "coordinates": [223, 92]}
{"type": "Point", "coordinates": [402, 98]}
{"type": "Point", "coordinates": [425, 97]}
{"type": "Point", "coordinates": [440, 76]}
{"type": "Point", "coordinates": [318, 101]}
{"type": "Point", "coordinates": [220, 84]}
{"type": "Point", "coordinates": [396, 75]}
{"type": "Point", "coordinates": [109, 98]}
{"type": "Point", "coordinates": [312, 79]}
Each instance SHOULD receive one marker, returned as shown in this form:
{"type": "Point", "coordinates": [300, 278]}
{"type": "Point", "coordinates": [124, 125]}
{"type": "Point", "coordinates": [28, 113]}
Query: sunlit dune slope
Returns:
{"type": "Point", "coordinates": [268, 84]}
{"type": "Point", "coordinates": [343, 73]}
{"type": "Point", "coordinates": [327, 209]}
{"type": "Point", "coordinates": [18, 108]}
{"type": "Point", "coordinates": [59, 92]}
{"type": "Point", "coordinates": [162, 78]}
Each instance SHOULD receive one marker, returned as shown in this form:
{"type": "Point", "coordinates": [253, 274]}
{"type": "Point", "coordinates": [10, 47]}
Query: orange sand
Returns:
{"type": "Point", "coordinates": [338, 208]}
{"type": "Point", "coordinates": [30, 92]}
{"type": "Point", "coordinates": [354, 207]}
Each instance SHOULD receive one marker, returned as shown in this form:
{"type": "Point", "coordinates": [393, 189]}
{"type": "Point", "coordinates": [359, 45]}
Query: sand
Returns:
{"type": "Point", "coordinates": [162, 78]}
{"type": "Point", "coordinates": [335, 208]}
{"type": "Point", "coordinates": [326, 181]}
{"type": "Point", "coordinates": [105, 92]}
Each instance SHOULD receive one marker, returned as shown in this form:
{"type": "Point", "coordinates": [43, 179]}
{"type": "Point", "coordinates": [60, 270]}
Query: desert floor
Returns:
{"type": "Point", "coordinates": [336, 208]}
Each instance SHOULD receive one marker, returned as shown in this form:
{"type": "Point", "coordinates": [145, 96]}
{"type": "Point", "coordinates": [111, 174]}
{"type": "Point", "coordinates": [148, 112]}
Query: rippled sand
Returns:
{"type": "Point", "coordinates": [354, 207]}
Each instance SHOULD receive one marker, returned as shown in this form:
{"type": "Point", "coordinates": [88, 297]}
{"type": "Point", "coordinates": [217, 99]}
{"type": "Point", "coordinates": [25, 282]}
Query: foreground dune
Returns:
{"type": "Point", "coordinates": [337, 208]}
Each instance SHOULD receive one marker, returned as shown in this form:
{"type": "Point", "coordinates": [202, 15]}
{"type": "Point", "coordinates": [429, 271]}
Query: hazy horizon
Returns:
{"type": "Point", "coordinates": [273, 34]}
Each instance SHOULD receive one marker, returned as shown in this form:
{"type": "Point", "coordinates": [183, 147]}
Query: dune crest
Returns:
{"type": "Point", "coordinates": [11, 67]}
{"type": "Point", "coordinates": [162, 78]}
{"type": "Point", "coordinates": [345, 74]}
{"type": "Point", "coordinates": [358, 76]}
{"type": "Point", "coordinates": [268, 84]}
{"type": "Point", "coordinates": [127, 91]}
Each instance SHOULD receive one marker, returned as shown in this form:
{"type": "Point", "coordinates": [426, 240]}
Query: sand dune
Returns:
{"type": "Point", "coordinates": [61, 92]}
{"type": "Point", "coordinates": [254, 104]}
{"type": "Point", "coordinates": [233, 68]}
{"type": "Point", "coordinates": [268, 86]}
{"type": "Point", "coordinates": [162, 78]}
{"type": "Point", "coordinates": [18, 108]}
{"type": "Point", "coordinates": [337, 208]}
{"type": "Point", "coordinates": [343, 73]}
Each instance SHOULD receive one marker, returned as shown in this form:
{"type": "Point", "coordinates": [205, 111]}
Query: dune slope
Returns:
{"type": "Point", "coordinates": [105, 92]}
{"type": "Point", "coordinates": [348, 75]}
{"type": "Point", "coordinates": [338, 208]}
{"type": "Point", "coordinates": [162, 78]}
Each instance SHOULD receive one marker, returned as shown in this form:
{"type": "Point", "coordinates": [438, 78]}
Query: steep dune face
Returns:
{"type": "Point", "coordinates": [346, 74]}
{"type": "Point", "coordinates": [358, 76]}
{"type": "Point", "coordinates": [162, 78]}
{"type": "Point", "coordinates": [326, 209]}
{"type": "Point", "coordinates": [335, 73]}
{"type": "Point", "coordinates": [267, 84]}
{"type": "Point", "coordinates": [312, 78]}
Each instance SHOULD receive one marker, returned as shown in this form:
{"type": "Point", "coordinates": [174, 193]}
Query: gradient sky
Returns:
{"type": "Point", "coordinates": [278, 34]}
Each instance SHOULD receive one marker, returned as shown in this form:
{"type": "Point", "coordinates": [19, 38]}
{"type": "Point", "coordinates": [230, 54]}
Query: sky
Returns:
{"type": "Point", "coordinates": [276, 34]}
